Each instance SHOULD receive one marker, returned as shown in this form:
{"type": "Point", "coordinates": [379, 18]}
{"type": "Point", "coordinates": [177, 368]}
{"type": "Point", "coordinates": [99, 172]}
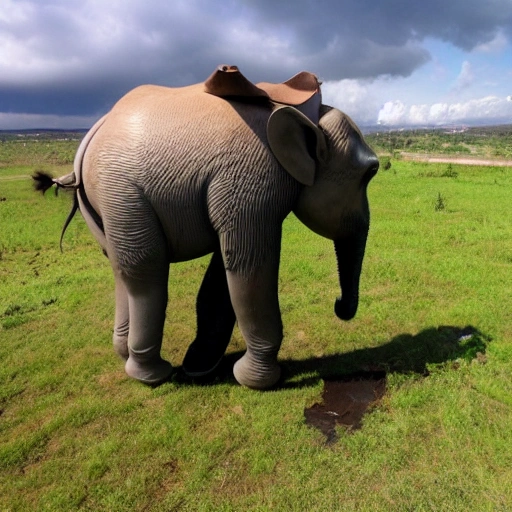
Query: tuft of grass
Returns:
{"type": "Point", "coordinates": [449, 172]}
{"type": "Point", "coordinates": [440, 204]}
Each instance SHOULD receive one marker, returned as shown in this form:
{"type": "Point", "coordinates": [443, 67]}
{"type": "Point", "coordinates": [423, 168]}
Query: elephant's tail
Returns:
{"type": "Point", "coordinates": [72, 181]}
{"type": "Point", "coordinates": [44, 181]}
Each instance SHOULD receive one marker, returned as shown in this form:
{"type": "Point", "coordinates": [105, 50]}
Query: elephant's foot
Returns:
{"type": "Point", "coordinates": [149, 370]}
{"type": "Point", "coordinates": [121, 346]}
{"type": "Point", "coordinates": [256, 374]}
{"type": "Point", "coordinates": [203, 357]}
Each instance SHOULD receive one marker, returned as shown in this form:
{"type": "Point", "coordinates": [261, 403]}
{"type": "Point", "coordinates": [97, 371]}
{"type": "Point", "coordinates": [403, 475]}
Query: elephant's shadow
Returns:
{"type": "Point", "coordinates": [405, 353]}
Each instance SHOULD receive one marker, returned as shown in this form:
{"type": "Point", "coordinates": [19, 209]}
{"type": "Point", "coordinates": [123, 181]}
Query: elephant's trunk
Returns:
{"type": "Point", "coordinates": [350, 254]}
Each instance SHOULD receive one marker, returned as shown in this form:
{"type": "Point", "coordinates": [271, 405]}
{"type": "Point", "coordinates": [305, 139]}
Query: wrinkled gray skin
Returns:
{"type": "Point", "coordinates": [173, 174]}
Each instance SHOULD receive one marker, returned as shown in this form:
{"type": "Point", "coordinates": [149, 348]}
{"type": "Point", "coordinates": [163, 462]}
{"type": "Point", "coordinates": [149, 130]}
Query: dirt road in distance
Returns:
{"type": "Point", "coordinates": [444, 159]}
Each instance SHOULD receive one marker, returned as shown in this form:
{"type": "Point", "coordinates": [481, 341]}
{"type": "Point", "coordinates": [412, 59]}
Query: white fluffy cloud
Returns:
{"type": "Point", "coordinates": [483, 110]}
{"type": "Point", "coordinates": [354, 97]}
{"type": "Point", "coordinates": [369, 103]}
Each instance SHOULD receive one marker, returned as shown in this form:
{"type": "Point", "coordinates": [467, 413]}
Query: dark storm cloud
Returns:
{"type": "Point", "coordinates": [465, 23]}
{"type": "Point", "coordinates": [78, 57]}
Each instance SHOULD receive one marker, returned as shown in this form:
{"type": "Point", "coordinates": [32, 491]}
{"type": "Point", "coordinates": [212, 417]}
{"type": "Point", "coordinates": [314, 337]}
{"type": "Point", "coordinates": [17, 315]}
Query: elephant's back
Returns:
{"type": "Point", "coordinates": [170, 134]}
{"type": "Point", "coordinates": [164, 110]}
{"type": "Point", "coordinates": [184, 128]}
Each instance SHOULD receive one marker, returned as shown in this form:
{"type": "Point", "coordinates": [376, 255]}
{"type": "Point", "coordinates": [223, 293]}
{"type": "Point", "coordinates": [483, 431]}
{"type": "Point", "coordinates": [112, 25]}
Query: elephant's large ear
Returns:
{"type": "Point", "coordinates": [296, 142]}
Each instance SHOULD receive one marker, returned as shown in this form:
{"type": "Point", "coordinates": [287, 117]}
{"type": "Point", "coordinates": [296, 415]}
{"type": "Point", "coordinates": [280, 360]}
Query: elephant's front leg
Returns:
{"type": "Point", "coordinates": [255, 301]}
{"type": "Point", "coordinates": [215, 321]}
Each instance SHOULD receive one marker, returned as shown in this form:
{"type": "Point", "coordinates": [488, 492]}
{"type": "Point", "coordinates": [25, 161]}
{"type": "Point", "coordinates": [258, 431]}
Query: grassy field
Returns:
{"type": "Point", "coordinates": [435, 314]}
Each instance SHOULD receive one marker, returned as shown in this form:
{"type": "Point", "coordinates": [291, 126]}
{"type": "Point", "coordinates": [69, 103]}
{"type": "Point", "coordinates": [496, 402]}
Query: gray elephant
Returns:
{"type": "Point", "coordinates": [172, 174]}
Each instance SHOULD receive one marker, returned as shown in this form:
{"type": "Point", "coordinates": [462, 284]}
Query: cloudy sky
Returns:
{"type": "Point", "coordinates": [63, 63]}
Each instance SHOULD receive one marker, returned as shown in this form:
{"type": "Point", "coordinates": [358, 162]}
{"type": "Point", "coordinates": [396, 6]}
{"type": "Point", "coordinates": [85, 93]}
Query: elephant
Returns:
{"type": "Point", "coordinates": [173, 174]}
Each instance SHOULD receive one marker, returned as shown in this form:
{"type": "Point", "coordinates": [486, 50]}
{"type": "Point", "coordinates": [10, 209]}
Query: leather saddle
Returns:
{"type": "Point", "coordinates": [227, 81]}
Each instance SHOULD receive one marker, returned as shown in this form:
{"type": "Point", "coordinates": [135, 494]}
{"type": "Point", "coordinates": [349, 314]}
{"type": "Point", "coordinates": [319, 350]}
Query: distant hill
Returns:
{"type": "Point", "coordinates": [42, 134]}
{"type": "Point", "coordinates": [474, 130]}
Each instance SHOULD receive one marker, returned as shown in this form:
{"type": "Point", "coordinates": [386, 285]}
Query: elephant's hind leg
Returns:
{"type": "Point", "coordinates": [147, 301]}
{"type": "Point", "coordinates": [122, 320]}
{"type": "Point", "coordinates": [139, 256]}
{"type": "Point", "coordinates": [215, 322]}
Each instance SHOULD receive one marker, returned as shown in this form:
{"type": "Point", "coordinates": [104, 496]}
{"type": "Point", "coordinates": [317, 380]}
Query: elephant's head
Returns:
{"type": "Point", "coordinates": [335, 164]}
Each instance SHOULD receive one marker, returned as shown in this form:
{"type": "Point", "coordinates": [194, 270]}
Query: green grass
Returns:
{"type": "Point", "coordinates": [77, 434]}
{"type": "Point", "coordinates": [56, 148]}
